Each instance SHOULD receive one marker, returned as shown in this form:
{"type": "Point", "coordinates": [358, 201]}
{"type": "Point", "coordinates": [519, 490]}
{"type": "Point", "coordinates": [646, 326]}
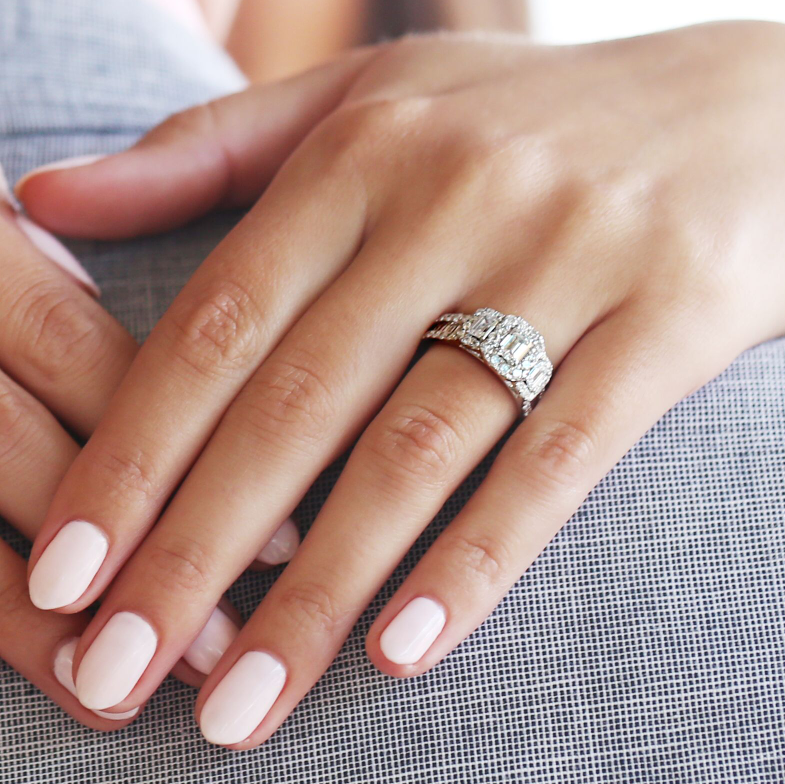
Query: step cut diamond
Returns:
{"type": "Point", "coordinates": [516, 344]}
{"type": "Point", "coordinates": [482, 326]}
{"type": "Point", "coordinates": [538, 377]}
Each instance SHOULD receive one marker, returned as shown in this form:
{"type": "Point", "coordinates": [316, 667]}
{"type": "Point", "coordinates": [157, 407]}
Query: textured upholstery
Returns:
{"type": "Point", "coordinates": [646, 644]}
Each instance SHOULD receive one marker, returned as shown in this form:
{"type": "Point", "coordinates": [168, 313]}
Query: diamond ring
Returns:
{"type": "Point", "coordinates": [510, 346]}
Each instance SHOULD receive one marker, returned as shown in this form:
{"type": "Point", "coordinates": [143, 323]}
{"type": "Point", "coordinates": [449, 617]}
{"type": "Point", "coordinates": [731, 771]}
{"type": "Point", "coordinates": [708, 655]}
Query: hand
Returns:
{"type": "Point", "coordinates": [62, 357]}
{"type": "Point", "coordinates": [624, 197]}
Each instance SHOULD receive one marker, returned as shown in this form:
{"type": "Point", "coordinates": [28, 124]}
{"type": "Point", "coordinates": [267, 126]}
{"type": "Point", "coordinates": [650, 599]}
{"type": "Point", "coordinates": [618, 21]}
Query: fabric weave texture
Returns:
{"type": "Point", "coordinates": [646, 643]}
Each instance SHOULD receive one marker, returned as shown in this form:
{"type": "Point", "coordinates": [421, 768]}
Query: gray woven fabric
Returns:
{"type": "Point", "coordinates": [646, 644]}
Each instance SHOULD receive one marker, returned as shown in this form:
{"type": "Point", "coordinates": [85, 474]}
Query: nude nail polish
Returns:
{"type": "Point", "coordinates": [65, 163]}
{"type": "Point", "coordinates": [409, 635]}
{"type": "Point", "coordinates": [243, 698]}
{"type": "Point", "coordinates": [216, 636]}
{"type": "Point", "coordinates": [55, 251]}
{"type": "Point", "coordinates": [63, 671]}
{"type": "Point", "coordinates": [68, 565]}
{"type": "Point", "coordinates": [115, 661]}
{"type": "Point", "coordinates": [6, 194]}
{"type": "Point", "coordinates": [281, 548]}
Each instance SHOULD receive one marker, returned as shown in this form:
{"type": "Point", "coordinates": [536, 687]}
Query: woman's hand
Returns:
{"type": "Point", "coordinates": [624, 197]}
{"type": "Point", "coordinates": [62, 356]}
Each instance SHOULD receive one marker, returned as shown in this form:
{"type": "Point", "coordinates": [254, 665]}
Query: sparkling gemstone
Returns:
{"type": "Point", "coordinates": [537, 378]}
{"type": "Point", "coordinates": [517, 373]}
{"type": "Point", "coordinates": [516, 344]}
{"type": "Point", "coordinates": [504, 368]}
{"type": "Point", "coordinates": [482, 326]}
{"type": "Point", "coordinates": [525, 392]}
{"type": "Point", "coordinates": [496, 360]}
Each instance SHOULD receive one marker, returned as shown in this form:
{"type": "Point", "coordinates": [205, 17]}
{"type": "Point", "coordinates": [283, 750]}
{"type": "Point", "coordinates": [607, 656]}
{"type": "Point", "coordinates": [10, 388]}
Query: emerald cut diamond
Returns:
{"type": "Point", "coordinates": [482, 327]}
{"type": "Point", "coordinates": [516, 345]}
{"type": "Point", "coordinates": [537, 378]}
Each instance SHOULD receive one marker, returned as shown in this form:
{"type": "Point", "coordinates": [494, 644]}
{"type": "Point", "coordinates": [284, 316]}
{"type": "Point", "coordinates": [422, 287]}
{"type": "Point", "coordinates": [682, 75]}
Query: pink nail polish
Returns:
{"type": "Point", "coordinates": [243, 698]}
{"type": "Point", "coordinates": [63, 670]}
{"type": "Point", "coordinates": [55, 251]}
{"type": "Point", "coordinates": [216, 636]}
{"type": "Point", "coordinates": [68, 565]}
{"type": "Point", "coordinates": [409, 635]}
{"type": "Point", "coordinates": [65, 163]}
{"type": "Point", "coordinates": [281, 548]}
{"type": "Point", "coordinates": [115, 661]}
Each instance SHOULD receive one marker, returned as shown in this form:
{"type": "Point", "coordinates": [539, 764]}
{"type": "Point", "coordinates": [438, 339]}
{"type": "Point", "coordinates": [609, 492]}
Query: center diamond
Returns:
{"type": "Point", "coordinates": [517, 345]}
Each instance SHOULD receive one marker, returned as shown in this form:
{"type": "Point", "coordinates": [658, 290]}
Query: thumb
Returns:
{"type": "Point", "coordinates": [220, 154]}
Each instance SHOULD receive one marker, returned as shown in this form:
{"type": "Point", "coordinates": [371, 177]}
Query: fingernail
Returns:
{"type": "Point", "coordinates": [66, 163]}
{"type": "Point", "coordinates": [282, 546]}
{"type": "Point", "coordinates": [412, 631]}
{"type": "Point", "coordinates": [217, 635]}
{"type": "Point", "coordinates": [63, 670]}
{"type": "Point", "coordinates": [5, 191]}
{"type": "Point", "coordinates": [68, 565]}
{"type": "Point", "coordinates": [115, 661]}
{"type": "Point", "coordinates": [242, 699]}
{"type": "Point", "coordinates": [55, 251]}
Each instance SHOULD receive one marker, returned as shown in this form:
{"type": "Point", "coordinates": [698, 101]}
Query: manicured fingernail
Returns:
{"type": "Point", "coordinates": [63, 670]}
{"type": "Point", "coordinates": [242, 699]}
{"type": "Point", "coordinates": [67, 566]}
{"type": "Point", "coordinates": [412, 631]}
{"type": "Point", "coordinates": [5, 192]}
{"type": "Point", "coordinates": [217, 635]}
{"type": "Point", "coordinates": [66, 163]}
{"type": "Point", "coordinates": [55, 251]}
{"type": "Point", "coordinates": [115, 661]}
{"type": "Point", "coordinates": [282, 546]}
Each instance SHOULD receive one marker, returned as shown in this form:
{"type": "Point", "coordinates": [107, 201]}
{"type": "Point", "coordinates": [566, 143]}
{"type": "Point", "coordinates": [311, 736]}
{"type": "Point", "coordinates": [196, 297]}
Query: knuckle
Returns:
{"type": "Point", "coordinates": [358, 125]}
{"type": "Point", "coordinates": [525, 166]}
{"type": "Point", "coordinates": [127, 477]}
{"type": "Point", "coordinates": [477, 557]}
{"type": "Point", "coordinates": [180, 565]}
{"type": "Point", "coordinates": [289, 398]}
{"type": "Point", "coordinates": [221, 333]}
{"type": "Point", "coordinates": [416, 444]}
{"type": "Point", "coordinates": [311, 607]}
{"type": "Point", "coordinates": [58, 337]}
{"type": "Point", "coordinates": [562, 453]}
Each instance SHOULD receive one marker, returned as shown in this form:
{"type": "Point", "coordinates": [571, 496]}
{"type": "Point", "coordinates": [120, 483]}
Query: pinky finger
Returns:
{"type": "Point", "coordinates": [614, 384]}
